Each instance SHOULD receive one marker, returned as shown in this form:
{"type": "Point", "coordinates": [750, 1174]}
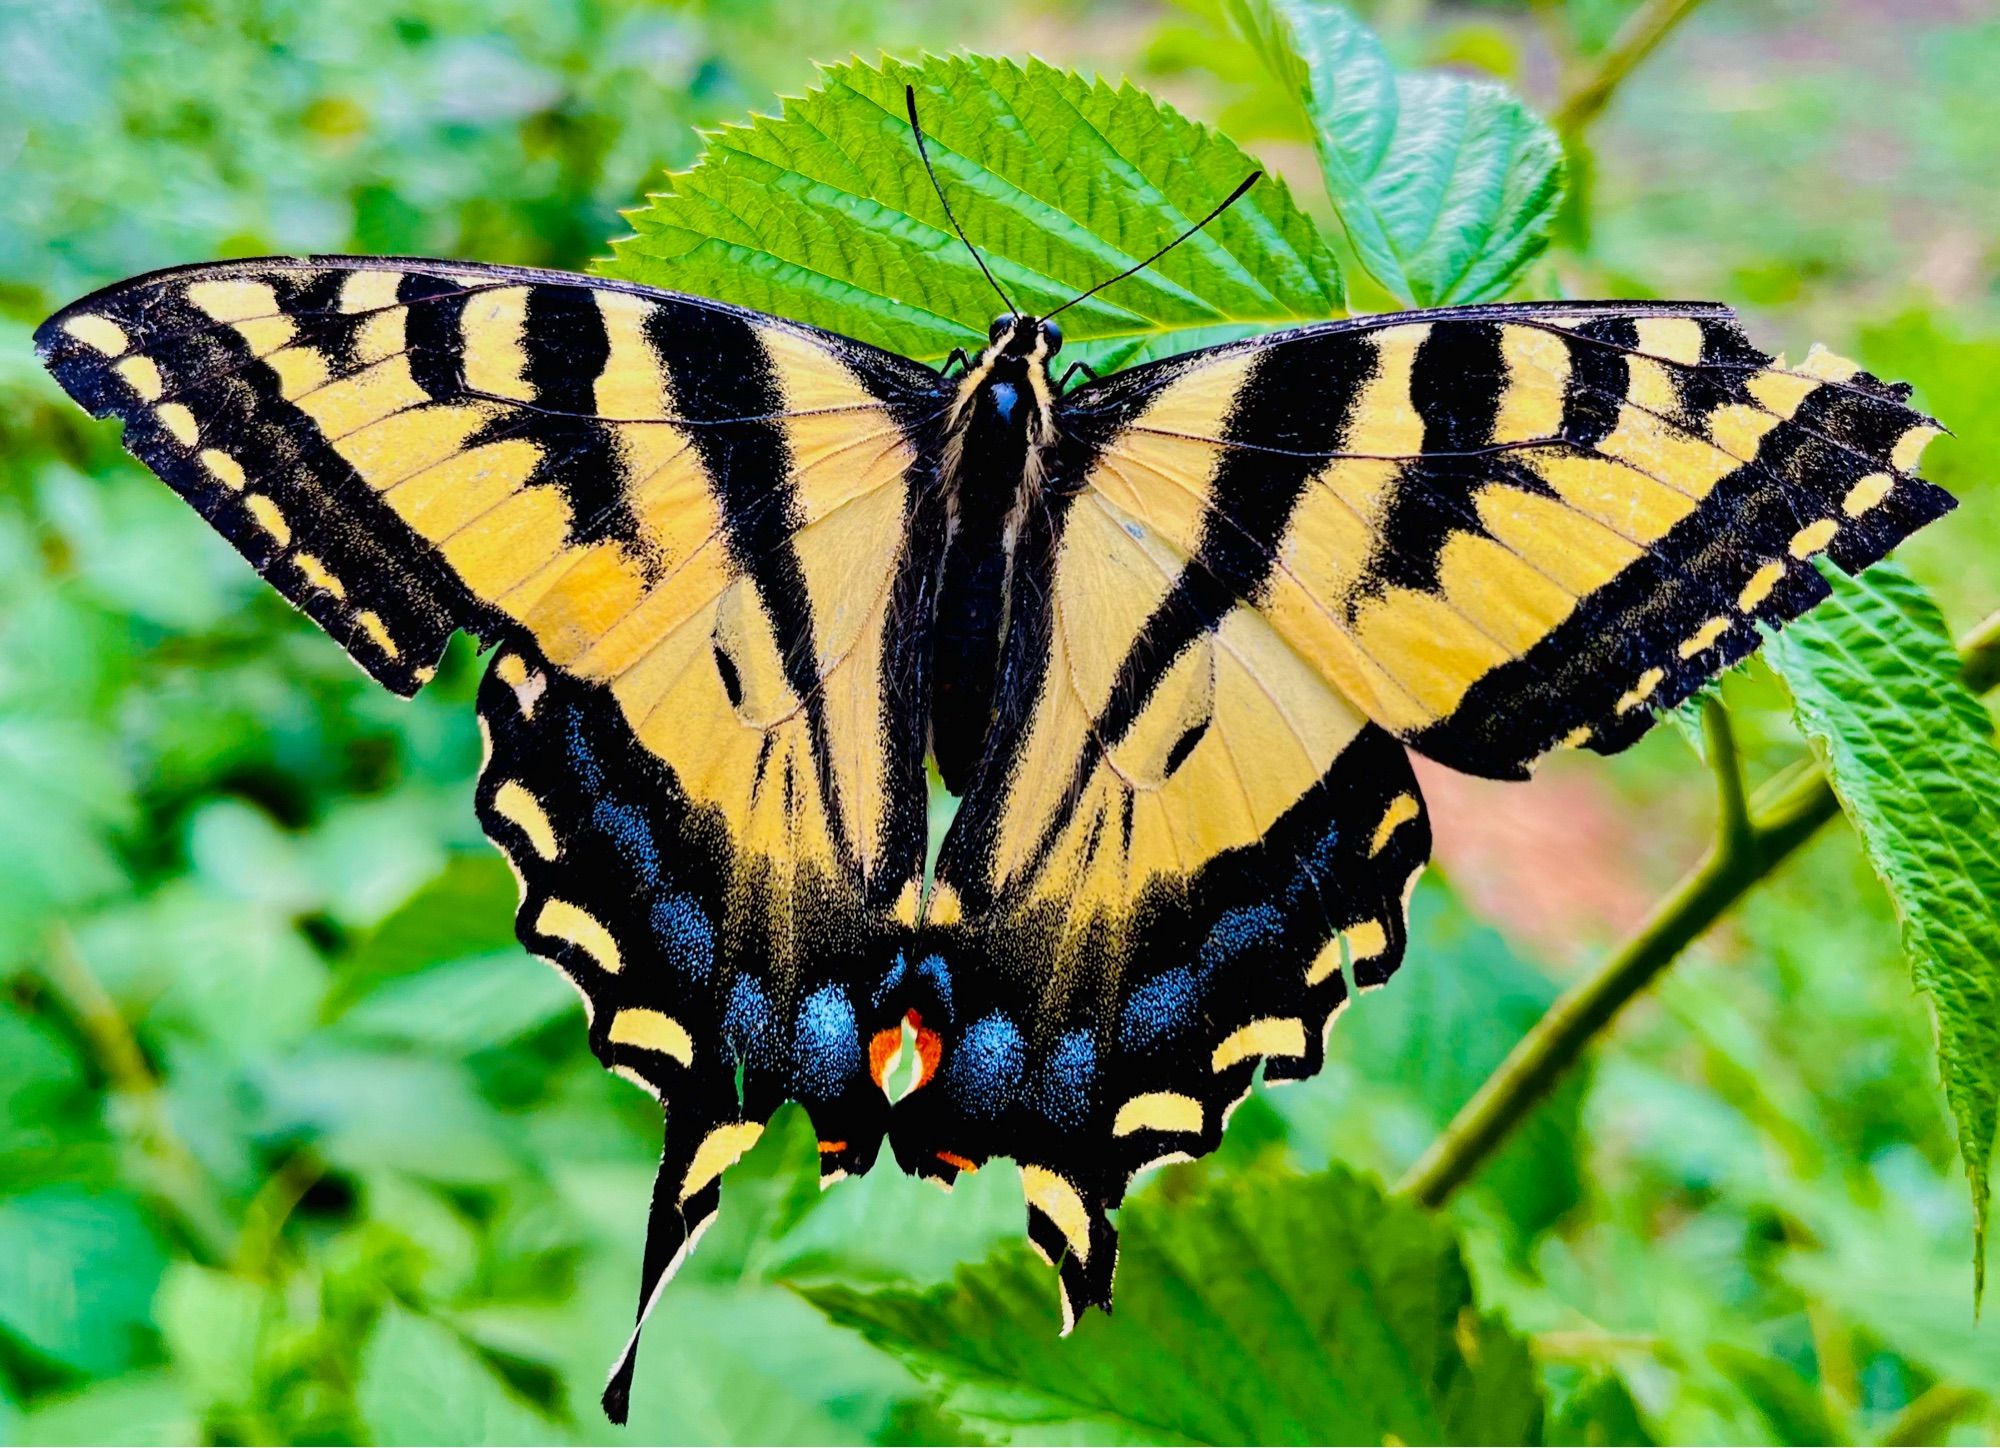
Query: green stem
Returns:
{"type": "Point", "coordinates": [1927, 1419]}
{"type": "Point", "coordinates": [1585, 98]}
{"type": "Point", "coordinates": [1980, 651]}
{"type": "Point", "coordinates": [1786, 813]}
{"type": "Point", "coordinates": [1734, 832]}
{"type": "Point", "coordinates": [178, 1177]}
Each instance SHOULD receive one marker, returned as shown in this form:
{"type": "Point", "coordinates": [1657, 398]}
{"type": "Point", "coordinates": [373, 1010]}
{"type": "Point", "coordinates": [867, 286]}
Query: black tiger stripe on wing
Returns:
{"type": "Point", "coordinates": [1833, 475]}
{"type": "Point", "coordinates": [1593, 508]}
{"type": "Point", "coordinates": [217, 427]}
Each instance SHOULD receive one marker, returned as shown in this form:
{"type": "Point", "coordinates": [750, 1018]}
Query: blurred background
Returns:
{"type": "Point", "coordinates": [295, 1143]}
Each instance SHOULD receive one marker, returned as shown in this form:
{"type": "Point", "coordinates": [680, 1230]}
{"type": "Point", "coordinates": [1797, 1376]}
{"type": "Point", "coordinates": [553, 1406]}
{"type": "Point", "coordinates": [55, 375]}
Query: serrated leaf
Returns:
{"type": "Point", "coordinates": [1447, 187]}
{"type": "Point", "coordinates": [824, 215]}
{"type": "Point", "coordinates": [1295, 1309]}
{"type": "Point", "coordinates": [1909, 750]}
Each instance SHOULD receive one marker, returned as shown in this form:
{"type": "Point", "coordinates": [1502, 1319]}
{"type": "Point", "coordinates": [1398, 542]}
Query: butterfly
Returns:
{"type": "Point", "coordinates": [1169, 634]}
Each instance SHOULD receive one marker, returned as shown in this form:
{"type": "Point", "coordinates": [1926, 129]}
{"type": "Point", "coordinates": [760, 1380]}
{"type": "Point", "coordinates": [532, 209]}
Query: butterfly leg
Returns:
{"type": "Point", "coordinates": [1075, 367]}
{"type": "Point", "coordinates": [957, 355]}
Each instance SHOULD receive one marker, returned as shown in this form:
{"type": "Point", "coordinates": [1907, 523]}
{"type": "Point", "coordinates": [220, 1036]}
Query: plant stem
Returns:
{"type": "Point", "coordinates": [1785, 814]}
{"type": "Point", "coordinates": [1735, 834]}
{"type": "Point", "coordinates": [1586, 97]}
{"type": "Point", "coordinates": [178, 1176]}
{"type": "Point", "coordinates": [1980, 651]}
{"type": "Point", "coordinates": [1926, 1419]}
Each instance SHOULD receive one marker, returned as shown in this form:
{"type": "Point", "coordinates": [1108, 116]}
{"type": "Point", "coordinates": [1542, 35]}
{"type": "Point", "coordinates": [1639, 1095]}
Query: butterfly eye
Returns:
{"type": "Point", "coordinates": [1002, 325]}
{"type": "Point", "coordinates": [1052, 334]}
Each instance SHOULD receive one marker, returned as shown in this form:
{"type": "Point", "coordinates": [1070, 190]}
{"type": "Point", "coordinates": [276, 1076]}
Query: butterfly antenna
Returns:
{"type": "Point", "coordinates": [1228, 201]}
{"type": "Point", "coordinates": [923, 152]}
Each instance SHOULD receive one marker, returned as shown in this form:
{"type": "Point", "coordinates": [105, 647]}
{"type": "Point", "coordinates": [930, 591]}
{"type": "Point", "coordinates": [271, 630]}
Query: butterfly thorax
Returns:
{"type": "Point", "coordinates": [1000, 431]}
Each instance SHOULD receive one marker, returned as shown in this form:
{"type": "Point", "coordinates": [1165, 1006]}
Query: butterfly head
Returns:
{"type": "Point", "coordinates": [1015, 334]}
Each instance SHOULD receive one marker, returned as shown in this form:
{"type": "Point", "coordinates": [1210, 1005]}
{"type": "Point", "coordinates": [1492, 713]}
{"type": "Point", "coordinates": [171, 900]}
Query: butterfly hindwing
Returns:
{"type": "Point", "coordinates": [1484, 532]}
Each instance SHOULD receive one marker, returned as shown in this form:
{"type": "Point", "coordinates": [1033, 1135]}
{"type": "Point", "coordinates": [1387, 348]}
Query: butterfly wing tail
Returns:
{"type": "Point", "coordinates": [686, 1193]}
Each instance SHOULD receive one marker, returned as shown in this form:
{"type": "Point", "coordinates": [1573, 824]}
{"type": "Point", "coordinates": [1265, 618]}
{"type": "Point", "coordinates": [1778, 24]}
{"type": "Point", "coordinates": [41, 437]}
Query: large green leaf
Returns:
{"type": "Point", "coordinates": [77, 1275]}
{"type": "Point", "coordinates": [823, 214]}
{"type": "Point", "coordinates": [1447, 187]}
{"type": "Point", "coordinates": [1875, 685]}
{"type": "Point", "coordinates": [422, 1383]}
{"type": "Point", "coordinates": [1269, 1309]}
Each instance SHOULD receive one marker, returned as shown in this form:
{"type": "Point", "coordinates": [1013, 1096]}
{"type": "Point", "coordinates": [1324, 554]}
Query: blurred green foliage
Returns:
{"type": "Point", "coordinates": [296, 1144]}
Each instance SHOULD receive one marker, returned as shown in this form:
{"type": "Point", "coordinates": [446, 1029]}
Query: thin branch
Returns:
{"type": "Point", "coordinates": [1928, 1418]}
{"type": "Point", "coordinates": [1980, 650]}
{"type": "Point", "coordinates": [1735, 835]}
{"type": "Point", "coordinates": [1586, 97]}
{"type": "Point", "coordinates": [1786, 813]}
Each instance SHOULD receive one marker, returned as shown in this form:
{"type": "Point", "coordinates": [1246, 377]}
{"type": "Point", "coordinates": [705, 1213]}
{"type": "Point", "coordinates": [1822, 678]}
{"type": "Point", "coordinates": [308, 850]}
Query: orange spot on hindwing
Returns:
{"type": "Point", "coordinates": [883, 1048]}
{"type": "Point", "coordinates": [886, 1045]}
{"type": "Point", "coordinates": [930, 1046]}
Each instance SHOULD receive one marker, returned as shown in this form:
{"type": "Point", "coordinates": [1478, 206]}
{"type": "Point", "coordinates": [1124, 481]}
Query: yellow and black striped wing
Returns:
{"type": "Point", "coordinates": [1260, 572]}
{"type": "Point", "coordinates": [698, 538]}
{"type": "Point", "coordinates": [1508, 529]}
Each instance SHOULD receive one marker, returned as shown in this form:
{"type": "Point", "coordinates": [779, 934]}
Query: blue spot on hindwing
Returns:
{"type": "Point", "coordinates": [1161, 1008]}
{"type": "Point", "coordinates": [628, 831]}
{"type": "Point", "coordinates": [828, 1044]}
{"type": "Point", "coordinates": [891, 978]}
{"type": "Point", "coordinates": [686, 937]}
{"type": "Point", "coordinates": [581, 758]}
{"type": "Point", "coordinates": [1060, 1089]}
{"type": "Point", "coordinates": [1239, 932]}
{"type": "Point", "coordinates": [747, 1024]}
{"type": "Point", "coordinates": [932, 968]}
{"type": "Point", "coordinates": [985, 1069]}
{"type": "Point", "coordinates": [1316, 867]}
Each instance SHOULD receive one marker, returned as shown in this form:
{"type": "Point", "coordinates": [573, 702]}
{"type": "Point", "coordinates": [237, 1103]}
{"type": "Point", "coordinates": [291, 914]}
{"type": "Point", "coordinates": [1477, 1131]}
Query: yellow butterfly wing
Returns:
{"type": "Point", "coordinates": [700, 540]}
{"type": "Point", "coordinates": [1482, 532]}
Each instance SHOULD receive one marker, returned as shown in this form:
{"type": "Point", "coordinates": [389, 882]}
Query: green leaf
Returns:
{"type": "Point", "coordinates": [1598, 1412]}
{"type": "Point", "coordinates": [77, 1275]}
{"type": "Point", "coordinates": [1909, 749]}
{"type": "Point", "coordinates": [377, 1110]}
{"type": "Point", "coordinates": [133, 1409]}
{"type": "Point", "coordinates": [1794, 1411]}
{"type": "Point", "coordinates": [466, 909]}
{"type": "Point", "coordinates": [464, 1005]}
{"type": "Point", "coordinates": [213, 1324]}
{"type": "Point", "coordinates": [1908, 1300]}
{"type": "Point", "coordinates": [1271, 1308]}
{"type": "Point", "coordinates": [422, 1383]}
{"type": "Point", "coordinates": [823, 214]}
{"type": "Point", "coordinates": [1447, 187]}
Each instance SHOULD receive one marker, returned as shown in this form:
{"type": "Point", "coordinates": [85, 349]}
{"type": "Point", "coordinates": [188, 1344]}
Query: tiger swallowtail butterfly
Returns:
{"type": "Point", "coordinates": [1168, 633]}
